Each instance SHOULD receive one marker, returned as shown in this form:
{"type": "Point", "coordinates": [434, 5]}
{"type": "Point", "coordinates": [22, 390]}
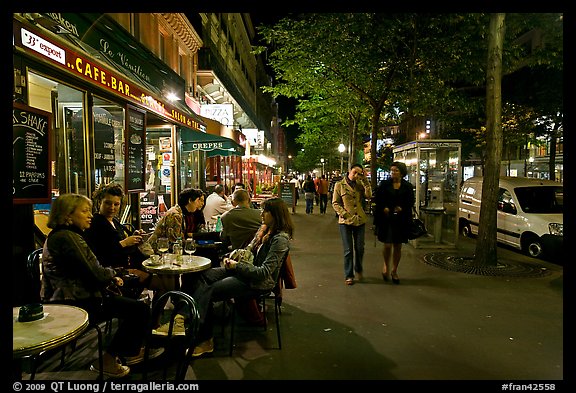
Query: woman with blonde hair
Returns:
{"type": "Point", "coordinates": [73, 275]}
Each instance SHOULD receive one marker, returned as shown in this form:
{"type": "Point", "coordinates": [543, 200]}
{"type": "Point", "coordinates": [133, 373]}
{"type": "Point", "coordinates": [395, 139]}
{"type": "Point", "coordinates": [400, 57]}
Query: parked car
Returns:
{"type": "Point", "coordinates": [530, 213]}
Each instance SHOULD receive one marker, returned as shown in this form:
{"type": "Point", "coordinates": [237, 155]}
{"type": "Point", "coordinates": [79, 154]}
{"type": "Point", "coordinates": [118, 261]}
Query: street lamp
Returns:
{"type": "Point", "coordinates": [322, 161]}
{"type": "Point", "coordinates": [341, 149]}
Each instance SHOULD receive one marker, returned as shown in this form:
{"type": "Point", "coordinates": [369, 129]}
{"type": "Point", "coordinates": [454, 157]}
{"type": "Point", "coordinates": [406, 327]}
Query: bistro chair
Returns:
{"type": "Point", "coordinates": [274, 295]}
{"type": "Point", "coordinates": [184, 345]}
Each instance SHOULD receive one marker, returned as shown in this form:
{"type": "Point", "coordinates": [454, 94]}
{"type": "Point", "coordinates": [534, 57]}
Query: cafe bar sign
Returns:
{"type": "Point", "coordinates": [98, 75]}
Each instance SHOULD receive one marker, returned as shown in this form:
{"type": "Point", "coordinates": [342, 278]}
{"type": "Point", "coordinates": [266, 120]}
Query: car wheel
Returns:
{"type": "Point", "coordinates": [533, 247]}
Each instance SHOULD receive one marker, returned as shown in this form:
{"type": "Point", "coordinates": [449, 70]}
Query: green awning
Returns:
{"type": "Point", "coordinates": [214, 145]}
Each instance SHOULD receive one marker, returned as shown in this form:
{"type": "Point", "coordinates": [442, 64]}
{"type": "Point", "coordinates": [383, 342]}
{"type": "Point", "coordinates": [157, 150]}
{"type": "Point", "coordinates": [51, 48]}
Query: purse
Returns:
{"type": "Point", "coordinates": [417, 228]}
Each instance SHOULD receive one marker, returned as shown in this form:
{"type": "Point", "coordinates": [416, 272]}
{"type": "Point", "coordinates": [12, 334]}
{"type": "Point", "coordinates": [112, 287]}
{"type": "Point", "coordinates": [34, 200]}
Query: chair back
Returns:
{"type": "Point", "coordinates": [34, 276]}
{"type": "Point", "coordinates": [185, 305]}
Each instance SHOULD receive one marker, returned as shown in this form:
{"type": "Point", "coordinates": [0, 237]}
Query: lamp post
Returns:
{"type": "Point", "coordinates": [341, 149]}
{"type": "Point", "coordinates": [322, 161]}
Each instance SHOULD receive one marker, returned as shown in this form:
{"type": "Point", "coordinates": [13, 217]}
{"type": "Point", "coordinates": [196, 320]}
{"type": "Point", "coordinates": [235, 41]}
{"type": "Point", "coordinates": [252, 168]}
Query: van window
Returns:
{"type": "Point", "coordinates": [505, 202]}
{"type": "Point", "coordinates": [541, 199]}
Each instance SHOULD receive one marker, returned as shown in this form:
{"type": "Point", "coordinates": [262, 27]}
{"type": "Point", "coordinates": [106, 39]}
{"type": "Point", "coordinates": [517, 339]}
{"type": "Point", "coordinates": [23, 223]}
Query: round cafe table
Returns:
{"type": "Point", "coordinates": [60, 325]}
{"type": "Point", "coordinates": [170, 267]}
{"type": "Point", "coordinates": [191, 264]}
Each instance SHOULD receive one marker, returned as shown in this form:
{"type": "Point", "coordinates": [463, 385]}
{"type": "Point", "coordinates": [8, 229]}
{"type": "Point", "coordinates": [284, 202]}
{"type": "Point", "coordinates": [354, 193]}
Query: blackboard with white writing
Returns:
{"type": "Point", "coordinates": [288, 194]}
{"type": "Point", "coordinates": [135, 149]}
{"type": "Point", "coordinates": [31, 130]}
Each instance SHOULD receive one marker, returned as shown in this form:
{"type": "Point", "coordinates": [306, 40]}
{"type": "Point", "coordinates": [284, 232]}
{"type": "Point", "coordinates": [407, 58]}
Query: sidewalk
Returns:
{"type": "Point", "coordinates": [436, 325]}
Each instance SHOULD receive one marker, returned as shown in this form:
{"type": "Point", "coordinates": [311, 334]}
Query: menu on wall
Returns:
{"type": "Point", "coordinates": [135, 149]}
{"type": "Point", "coordinates": [288, 194]}
{"type": "Point", "coordinates": [103, 142]}
{"type": "Point", "coordinates": [31, 130]}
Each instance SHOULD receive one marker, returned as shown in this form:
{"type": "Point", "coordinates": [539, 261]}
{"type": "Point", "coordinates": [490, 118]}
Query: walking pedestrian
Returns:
{"type": "Point", "coordinates": [322, 190]}
{"type": "Point", "coordinates": [394, 199]}
{"type": "Point", "coordinates": [309, 193]}
{"type": "Point", "coordinates": [347, 202]}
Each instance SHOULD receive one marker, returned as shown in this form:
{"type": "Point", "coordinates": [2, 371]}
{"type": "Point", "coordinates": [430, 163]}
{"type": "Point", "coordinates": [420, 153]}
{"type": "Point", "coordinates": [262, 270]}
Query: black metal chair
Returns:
{"type": "Point", "coordinates": [184, 345]}
{"type": "Point", "coordinates": [33, 269]}
{"type": "Point", "coordinates": [261, 301]}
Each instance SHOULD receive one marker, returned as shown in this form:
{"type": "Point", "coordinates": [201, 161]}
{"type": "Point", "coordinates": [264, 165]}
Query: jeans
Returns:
{"type": "Point", "coordinates": [323, 203]}
{"type": "Point", "coordinates": [218, 284]}
{"type": "Point", "coordinates": [353, 243]}
{"type": "Point", "coordinates": [309, 206]}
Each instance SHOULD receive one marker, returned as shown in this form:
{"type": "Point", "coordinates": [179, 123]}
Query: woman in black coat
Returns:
{"type": "Point", "coordinates": [394, 199]}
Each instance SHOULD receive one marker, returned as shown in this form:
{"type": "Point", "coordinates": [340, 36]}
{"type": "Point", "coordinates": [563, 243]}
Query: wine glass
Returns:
{"type": "Point", "coordinates": [189, 247]}
{"type": "Point", "coordinates": [163, 246]}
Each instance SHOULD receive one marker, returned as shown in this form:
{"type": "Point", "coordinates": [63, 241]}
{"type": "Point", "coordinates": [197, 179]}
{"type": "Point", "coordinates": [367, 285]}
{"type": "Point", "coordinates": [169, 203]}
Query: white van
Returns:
{"type": "Point", "coordinates": [530, 213]}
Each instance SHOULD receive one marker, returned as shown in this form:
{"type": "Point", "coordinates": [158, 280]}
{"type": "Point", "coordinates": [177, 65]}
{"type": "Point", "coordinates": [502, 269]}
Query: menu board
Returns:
{"type": "Point", "coordinates": [288, 194]}
{"type": "Point", "coordinates": [135, 149]}
{"type": "Point", "coordinates": [31, 129]}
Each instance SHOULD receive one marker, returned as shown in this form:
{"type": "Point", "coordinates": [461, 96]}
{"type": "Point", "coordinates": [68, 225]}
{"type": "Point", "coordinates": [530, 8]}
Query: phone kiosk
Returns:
{"type": "Point", "coordinates": [434, 171]}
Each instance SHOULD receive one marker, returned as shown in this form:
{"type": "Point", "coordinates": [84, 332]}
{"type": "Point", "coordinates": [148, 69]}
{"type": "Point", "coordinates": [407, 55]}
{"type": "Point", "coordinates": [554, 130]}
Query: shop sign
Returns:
{"type": "Point", "coordinates": [99, 75]}
{"type": "Point", "coordinates": [207, 145]}
{"type": "Point", "coordinates": [105, 35]}
{"type": "Point", "coordinates": [30, 155]}
{"type": "Point", "coordinates": [222, 113]}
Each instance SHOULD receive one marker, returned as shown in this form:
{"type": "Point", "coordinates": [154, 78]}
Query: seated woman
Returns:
{"type": "Point", "coordinates": [108, 240]}
{"type": "Point", "coordinates": [73, 275]}
{"type": "Point", "coordinates": [244, 280]}
{"type": "Point", "coordinates": [181, 220]}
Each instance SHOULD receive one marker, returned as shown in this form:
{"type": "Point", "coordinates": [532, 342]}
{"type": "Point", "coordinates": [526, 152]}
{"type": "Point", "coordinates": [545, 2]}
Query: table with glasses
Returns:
{"type": "Point", "coordinates": [177, 266]}
{"type": "Point", "coordinates": [171, 265]}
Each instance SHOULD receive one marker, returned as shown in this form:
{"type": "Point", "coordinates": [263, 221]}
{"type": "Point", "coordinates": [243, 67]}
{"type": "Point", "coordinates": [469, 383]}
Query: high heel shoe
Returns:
{"type": "Point", "coordinates": [385, 276]}
{"type": "Point", "coordinates": [395, 278]}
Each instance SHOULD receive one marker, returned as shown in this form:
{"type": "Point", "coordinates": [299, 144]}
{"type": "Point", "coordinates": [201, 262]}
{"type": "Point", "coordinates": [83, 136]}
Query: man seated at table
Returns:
{"type": "Point", "coordinates": [240, 224]}
{"type": "Point", "coordinates": [216, 205]}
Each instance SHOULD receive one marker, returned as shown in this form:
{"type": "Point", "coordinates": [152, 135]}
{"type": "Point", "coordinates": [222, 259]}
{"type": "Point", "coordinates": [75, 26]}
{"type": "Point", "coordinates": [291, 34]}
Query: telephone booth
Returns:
{"type": "Point", "coordinates": [434, 171]}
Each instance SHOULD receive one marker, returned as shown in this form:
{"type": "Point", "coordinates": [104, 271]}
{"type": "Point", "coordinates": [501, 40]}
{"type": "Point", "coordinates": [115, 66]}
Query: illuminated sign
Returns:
{"type": "Point", "coordinates": [102, 77]}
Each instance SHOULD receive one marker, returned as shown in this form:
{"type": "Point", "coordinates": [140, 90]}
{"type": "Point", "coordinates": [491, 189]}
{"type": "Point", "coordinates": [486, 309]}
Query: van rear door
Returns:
{"type": "Point", "coordinates": [510, 223]}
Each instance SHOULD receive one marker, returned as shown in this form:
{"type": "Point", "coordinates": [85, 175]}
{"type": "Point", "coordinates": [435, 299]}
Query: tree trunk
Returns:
{"type": "Point", "coordinates": [486, 245]}
{"type": "Point", "coordinates": [375, 124]}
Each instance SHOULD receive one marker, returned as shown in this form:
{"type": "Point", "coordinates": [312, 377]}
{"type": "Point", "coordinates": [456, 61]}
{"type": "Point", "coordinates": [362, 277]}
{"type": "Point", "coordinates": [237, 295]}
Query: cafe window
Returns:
{"type": "Point", "coordinates": [157, 198]}
{"type": "Point", "coordinates": [67, 143]}
{"type": "Point", "coordinates": [108, 142]}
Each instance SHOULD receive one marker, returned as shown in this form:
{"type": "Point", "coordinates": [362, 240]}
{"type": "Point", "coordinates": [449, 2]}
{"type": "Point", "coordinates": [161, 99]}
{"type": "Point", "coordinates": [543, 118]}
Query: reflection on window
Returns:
{"type": "Point", "coordinates": [108, 142]}
{"type": "Point", "coordinates": [67, 143]}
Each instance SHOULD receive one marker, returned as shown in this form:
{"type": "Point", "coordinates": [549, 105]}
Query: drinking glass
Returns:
{"type": "Point", "coordinates": [163, 246]}
{"type": "Point", "coordinates": [189, 248]}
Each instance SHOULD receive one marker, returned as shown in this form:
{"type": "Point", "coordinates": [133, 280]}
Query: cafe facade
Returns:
{"type": "Point", "coordinates": [91, 106]}
{"type": "Point", "coordinates": [106, 98]}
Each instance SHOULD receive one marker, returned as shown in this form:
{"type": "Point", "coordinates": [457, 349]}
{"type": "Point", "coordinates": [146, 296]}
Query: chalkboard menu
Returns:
{"type": "Point", "coordinates": [288, 194]}
{"type": "Point", "coordinates": [31, 129]}
{"type": "Point", "coordinates": [135, 149]}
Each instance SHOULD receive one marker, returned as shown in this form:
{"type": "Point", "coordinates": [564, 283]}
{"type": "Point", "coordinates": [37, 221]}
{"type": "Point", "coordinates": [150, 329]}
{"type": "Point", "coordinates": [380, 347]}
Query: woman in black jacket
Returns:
{"type": "Point", "coordinates": [73, 275]}
{"type": "Point", "coordinates": [394, 199]}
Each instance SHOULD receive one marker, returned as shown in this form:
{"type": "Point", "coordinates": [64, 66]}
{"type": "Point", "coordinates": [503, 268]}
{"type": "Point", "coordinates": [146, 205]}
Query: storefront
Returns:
{"type": "Point", "coordinates": [109, 115]}
{"type": "Point", "coordinates": [223, 153]}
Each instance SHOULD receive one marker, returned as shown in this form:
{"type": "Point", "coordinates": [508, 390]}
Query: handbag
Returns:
{"type": "Point", "coordinates": [417, 228]}
{"type": "Point", "coordinates": [130, 285]}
